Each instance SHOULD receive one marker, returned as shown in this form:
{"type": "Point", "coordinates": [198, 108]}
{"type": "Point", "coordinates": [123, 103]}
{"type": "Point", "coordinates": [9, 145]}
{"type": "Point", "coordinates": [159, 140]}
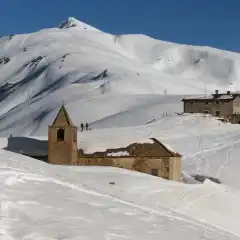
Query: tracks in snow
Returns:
{"type": "Point", "coordinates": [97, 193]}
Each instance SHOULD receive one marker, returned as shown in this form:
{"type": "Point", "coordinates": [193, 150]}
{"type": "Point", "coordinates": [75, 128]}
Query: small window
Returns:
{"type": "Point", "coordinates": [191, 103]}
{"type": "Point", "coordinates": [206, 111]}
{"type": "Point", "coordinates": [206, 102]}
{"type": "Point", "coordinates": [217, 113]}
{"type": "Point", "coordinates": [155, 172]}
{"type": "Point", "coordinates": [60, 135]}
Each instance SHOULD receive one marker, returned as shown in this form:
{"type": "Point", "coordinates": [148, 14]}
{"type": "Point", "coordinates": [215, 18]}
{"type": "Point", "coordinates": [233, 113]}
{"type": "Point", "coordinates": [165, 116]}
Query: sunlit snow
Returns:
{"type": "Point", "coordinates": [129, 89]}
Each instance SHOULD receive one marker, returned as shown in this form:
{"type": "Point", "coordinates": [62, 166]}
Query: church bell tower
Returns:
{"type": "Point", "coordinates": [62, 140]}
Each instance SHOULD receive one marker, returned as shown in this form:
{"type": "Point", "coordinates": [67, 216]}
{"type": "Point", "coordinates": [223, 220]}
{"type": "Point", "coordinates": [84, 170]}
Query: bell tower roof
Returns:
{"type": "Point", "coordinates": [62, 118]}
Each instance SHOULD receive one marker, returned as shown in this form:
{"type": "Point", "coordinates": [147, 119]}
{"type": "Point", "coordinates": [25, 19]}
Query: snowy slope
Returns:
{"type": "Point", "coordinates": [35, 197]}
{"type": "Point", "coordinates": [78, 63]}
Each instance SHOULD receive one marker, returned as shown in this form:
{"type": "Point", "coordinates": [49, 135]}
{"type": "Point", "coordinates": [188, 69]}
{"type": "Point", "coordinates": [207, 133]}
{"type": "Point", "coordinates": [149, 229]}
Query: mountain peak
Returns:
{"type": "Point", "coordinates": [73, 22]}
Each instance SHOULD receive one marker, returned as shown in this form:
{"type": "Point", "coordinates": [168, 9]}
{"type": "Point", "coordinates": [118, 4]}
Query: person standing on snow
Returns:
{"type": "Point", "coordinates": [82, 127]}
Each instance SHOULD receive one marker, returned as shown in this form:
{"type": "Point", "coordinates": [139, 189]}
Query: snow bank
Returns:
{"type": "Point", "coordinates": [138, 205]}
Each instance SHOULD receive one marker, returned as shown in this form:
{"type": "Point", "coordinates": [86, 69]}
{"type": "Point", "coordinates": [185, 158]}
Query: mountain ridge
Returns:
{"type": "Point", "coordinates": [37, 67]}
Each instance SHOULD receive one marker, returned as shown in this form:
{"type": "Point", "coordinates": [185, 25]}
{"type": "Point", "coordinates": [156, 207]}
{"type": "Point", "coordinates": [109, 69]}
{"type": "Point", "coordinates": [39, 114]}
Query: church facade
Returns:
{"type": "Point", "coordinates": [150, 157]}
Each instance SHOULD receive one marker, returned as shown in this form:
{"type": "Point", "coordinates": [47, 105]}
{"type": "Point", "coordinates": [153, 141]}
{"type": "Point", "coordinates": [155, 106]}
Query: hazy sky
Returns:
{"type": "Point", "coordinates": [198, 22]}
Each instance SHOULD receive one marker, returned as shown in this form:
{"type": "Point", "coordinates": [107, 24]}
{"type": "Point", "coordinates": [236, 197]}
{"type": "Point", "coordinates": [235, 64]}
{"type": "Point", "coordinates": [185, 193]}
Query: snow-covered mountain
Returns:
{"type": "Point", "coordinates": [90, 69]}
{"type": "Point", "coordinates": [127, 87]}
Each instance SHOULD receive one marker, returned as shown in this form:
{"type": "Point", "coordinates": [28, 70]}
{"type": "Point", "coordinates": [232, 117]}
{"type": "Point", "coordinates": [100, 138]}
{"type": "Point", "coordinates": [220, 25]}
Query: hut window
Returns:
{"type": "Point", "coordinates": [206, 111]}
{"type": "Point", "coordinates": [155, 172]}
{"type": "Point", "coordinates": [217, 113]}
{"type": "Point", "coordinates": [60, 135]}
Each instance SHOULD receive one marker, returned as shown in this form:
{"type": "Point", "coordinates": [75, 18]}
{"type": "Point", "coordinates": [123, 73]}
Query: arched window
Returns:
{"type": "Point", "coordinates": [60, 135]}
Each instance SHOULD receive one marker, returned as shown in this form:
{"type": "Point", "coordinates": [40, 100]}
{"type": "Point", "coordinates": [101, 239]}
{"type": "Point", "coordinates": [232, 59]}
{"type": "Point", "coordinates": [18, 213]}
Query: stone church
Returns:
{"type": "Point", "coordinates": [150, 157]}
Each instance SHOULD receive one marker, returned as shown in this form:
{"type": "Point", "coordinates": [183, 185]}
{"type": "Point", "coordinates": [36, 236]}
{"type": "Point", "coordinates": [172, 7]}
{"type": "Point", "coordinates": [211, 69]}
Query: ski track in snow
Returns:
{"type": "Point", "coordinates": [165, 212]}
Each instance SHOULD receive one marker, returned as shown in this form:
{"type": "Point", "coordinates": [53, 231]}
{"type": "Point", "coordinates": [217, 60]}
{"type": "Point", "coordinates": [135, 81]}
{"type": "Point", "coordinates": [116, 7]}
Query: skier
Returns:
{"type": "Point", "coordinates": [86, 126]}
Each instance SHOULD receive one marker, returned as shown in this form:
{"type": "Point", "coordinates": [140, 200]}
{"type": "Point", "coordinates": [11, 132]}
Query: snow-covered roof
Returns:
{"type": "Point", "coordinates": [121, 149]}
{"type": "Point", "coordinates": [101, 144]}
{"type": "Point", "coordinates": [210, 97]}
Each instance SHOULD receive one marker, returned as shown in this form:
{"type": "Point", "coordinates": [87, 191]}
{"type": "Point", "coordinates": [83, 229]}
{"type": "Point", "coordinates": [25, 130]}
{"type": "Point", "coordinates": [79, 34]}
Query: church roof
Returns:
{"type": "Point", "coordinates": [62, 118]}
{"type": "Point", "coordinates": [149, 147]}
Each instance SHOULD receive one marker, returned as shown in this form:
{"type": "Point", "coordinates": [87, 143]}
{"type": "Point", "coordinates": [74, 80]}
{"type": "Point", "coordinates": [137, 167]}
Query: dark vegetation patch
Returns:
{"type": "Point", "coordinates": [7, 88]}
{"type": "Point", "coordinates": [64, 56]}
{"type": "Point", "coordinates": [66, 25]}
{"type": "Point", "coordinates": [103, 74]}
{"type": "Point", "coordinates": [35, 61]}
{"type": "Point", "coordinates": [73, 25]}
{"type": "Point", "coordinates": [4, 60]}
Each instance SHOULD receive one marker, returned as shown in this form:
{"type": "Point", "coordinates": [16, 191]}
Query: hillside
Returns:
{"type": "Point", "coordinates": [91, 69]}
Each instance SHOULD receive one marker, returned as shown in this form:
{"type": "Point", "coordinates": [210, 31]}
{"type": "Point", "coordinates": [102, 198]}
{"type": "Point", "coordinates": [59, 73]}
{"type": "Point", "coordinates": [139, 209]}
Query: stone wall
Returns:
{"type": "Point", "coordinates": [164, 167]}
{"type": "Point", "coordinates": [175, 164]}
{"type": "Point", "coordinates": [236, 105]}
{"type": "Point", "coordinates": [62, 152]}
{"type": "Point", "coordinates": [199, 106]}
{"type": "Point", "coordinates": [122, 162]}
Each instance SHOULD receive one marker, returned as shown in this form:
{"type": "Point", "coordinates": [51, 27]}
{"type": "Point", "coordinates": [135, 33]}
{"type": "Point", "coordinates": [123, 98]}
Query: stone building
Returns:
{"type": "Point", "coordinates": [148, 156]}
{"type": "Point", "coordinates": [225, 105]}
{"type": "Point", "coordinates": [62, 139]}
